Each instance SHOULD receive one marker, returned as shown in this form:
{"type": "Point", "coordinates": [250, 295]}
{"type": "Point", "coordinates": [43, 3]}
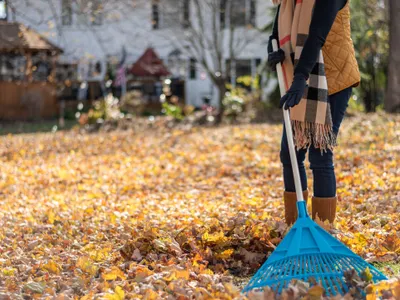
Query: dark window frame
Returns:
{"type": "Point", "coordinates": [185, 14]}
{"type": "Point", "coordinates": [193, 69]}
{"type": "Point", "coordinates": [12, 67]}
{"type": "Point", "coordinates": [240, 65]}
{"type": "Point", "coordinates": [238, 13]}
{"type": "Point", "coordinates": [66, 12]}
{"type": "Point", "coordinates": [249, 18]}
{"type": "Point", "coordinates": [222, 13]}
{"type": "Point", "coordinates": [155, 15]}
{"type": "Point", "coordinates": [253, 13]}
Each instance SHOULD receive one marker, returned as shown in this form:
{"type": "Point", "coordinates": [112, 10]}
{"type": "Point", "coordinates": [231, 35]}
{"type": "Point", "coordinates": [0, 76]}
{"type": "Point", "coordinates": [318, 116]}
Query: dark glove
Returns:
{"type": "Point", "coordinates": [274, 57]}
{"type": "Point", "coordinates": [295, 93]}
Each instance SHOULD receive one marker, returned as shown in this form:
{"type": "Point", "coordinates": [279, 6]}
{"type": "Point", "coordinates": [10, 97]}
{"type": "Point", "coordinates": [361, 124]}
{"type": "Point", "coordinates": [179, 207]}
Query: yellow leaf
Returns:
{"type": "Point", "coordinates": [176, 274]}
{"type": "Point", "coordinates": [371, 297]}
{"type": "Point", "coordinates": [99, 255]}
{"type": "Point", "coordinates": [8, 271]}
{"type": "Point", "coordinates": [217, 237]}
{"type": "Point", "coordinates": [113, 274]}
{"type": "Point", "coordinates": [52, 267]}
{"type": "Point", "coordinates": [119, 294]}
{"type": "Point", "coordinates": [225, 254]}
{"type": "Point", "coordinates": [86, 265]}
{"type": "Point", "coordinates": [208, 272]}
{"type": "Point", "coordinates": [150, 295]}
{"type": "Point", "coordinates": [113, 218]}
{"type": "Point", "coordinates": [141, 274]}
{"type": "Point", "coordinates": [50, 217]}
{"type": "Point", "coordinates": [170, 277]}
{"type": "Point", "coordinates": [88, 296]}
{"type": "Point", "coordinates": [182, 274]}
{"type": "Point", "coordinates": [367, 275]}
{"type": "Point", "coordinates": [63, 175]}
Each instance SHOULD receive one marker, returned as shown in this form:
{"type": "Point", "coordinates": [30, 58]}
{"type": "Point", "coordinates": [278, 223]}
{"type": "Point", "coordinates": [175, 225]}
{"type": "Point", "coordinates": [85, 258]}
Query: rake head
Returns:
{"type": "Point", "coordinates": [308, 251]}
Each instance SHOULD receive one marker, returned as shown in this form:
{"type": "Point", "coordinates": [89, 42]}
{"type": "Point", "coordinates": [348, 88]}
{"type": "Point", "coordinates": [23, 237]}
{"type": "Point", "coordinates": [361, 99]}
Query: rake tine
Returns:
{"type": "Point", "coordinates": [326, 263]}
{"type": "Point", "coordinates": [322, 264]}
{"type": "Point", "coordinates": [336, 282]}
{"type": "Point", "coordinates": [332, 285]}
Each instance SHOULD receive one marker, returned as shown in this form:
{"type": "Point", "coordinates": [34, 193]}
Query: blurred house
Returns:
{"type": "Point", "coordinates": [94, 32]}
{"type": "Point", "coordinates": [27, 73]}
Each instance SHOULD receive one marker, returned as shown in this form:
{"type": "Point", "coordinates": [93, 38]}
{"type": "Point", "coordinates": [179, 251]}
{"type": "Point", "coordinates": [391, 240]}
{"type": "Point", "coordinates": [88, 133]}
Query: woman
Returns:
{"type": "Point", "coordinates": [320, 69]}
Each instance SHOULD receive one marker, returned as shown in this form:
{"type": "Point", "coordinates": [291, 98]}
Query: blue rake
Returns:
{"type": "Point", "coordinates": [307, 251]}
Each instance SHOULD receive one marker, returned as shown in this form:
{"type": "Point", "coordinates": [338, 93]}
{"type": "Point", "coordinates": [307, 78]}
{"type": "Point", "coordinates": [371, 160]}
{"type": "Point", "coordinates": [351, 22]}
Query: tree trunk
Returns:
{"type": "Point", "coordinates": [392, 99]}
{"type": "Point", "coordinates": [222, 90]}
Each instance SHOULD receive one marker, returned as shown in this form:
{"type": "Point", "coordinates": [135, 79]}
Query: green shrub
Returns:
{"type": "Point", "coordinates": [173, 110]}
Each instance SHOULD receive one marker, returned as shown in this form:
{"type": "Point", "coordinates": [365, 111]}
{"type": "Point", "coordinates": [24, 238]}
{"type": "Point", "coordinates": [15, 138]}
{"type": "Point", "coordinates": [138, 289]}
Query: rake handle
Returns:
{"type": "Point", "coordinates": [289, 132]}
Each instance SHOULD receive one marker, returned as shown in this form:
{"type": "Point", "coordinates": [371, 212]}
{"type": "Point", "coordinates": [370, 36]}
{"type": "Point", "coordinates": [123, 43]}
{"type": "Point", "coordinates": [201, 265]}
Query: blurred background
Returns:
{"type": "Point", "coordinates": [92, 63]}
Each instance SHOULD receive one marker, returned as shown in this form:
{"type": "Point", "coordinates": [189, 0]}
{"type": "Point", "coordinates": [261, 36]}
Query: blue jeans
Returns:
{"type": "Point", "coordinates": [320, 164]}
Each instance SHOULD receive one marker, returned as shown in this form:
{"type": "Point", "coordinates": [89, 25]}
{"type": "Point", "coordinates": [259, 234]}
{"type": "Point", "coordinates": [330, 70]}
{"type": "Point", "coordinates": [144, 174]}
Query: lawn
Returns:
{"type": "Point", "coordinates": [173, 214]}
{"type": "Point", "coordinates": [34, 127]}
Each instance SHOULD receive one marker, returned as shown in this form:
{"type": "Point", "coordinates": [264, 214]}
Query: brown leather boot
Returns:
{"type": "Point", "coordinates": [324, 208]}
{"type": "Point", "coordinates": [290, 200]}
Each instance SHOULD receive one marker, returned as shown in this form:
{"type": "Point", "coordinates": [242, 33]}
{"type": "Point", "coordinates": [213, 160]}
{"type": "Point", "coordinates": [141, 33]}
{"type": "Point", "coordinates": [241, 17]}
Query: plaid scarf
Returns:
{"type": "Point", "coordinates": [311, 118]}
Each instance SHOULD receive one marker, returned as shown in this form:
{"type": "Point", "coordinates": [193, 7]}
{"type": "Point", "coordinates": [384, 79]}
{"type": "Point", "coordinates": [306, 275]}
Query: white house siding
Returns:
{"type": "Point", "coordinates": [130, 27]}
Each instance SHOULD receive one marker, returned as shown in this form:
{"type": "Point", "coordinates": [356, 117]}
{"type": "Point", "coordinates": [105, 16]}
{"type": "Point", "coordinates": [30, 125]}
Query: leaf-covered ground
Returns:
{"type": "Point", "coordinates": [174, 214]}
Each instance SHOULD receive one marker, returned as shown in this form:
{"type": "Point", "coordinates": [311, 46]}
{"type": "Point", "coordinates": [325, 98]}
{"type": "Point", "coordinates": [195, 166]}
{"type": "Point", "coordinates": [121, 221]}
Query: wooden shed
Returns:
{"type": "Point", "coordinates": [147, 75]}
{"type": "Point", "coordinates": [28, 89]}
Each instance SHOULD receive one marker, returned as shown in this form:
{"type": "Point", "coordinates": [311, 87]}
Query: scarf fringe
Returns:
{"type": "Point", "coordinates": [319, 135]}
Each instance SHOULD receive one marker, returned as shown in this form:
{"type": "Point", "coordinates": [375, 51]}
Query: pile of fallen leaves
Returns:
{"type": "Point", "coordinates": [178, 214]}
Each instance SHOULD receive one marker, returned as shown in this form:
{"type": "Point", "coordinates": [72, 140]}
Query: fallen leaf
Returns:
{"type": "Point", "coordinates": [113, 274]}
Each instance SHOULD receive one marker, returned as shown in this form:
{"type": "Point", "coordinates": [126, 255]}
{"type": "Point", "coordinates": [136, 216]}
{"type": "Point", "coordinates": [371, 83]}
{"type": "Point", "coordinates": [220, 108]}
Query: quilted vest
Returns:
{"type": "Point", "coordinates": [341, 66]}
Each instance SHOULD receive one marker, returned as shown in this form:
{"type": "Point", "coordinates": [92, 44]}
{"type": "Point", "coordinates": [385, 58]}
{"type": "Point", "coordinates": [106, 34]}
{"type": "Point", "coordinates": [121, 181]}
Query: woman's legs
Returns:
{"type": "Point", "coordinates": [324, 200]}
{"type": "Point", "coordinates": [321, 164]}
{"type": "Point", "coordinates": [322, 167]}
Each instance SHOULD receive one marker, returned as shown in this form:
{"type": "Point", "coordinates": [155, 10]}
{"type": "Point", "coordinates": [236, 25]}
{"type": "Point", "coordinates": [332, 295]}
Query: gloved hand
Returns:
{"type": "Point", "coordinates": [274, 57]}
{"type": "Point", "coordinates": [295, 93]}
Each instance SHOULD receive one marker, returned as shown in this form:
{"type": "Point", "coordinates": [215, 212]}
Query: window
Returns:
{"type": "Point", "coordinates": [89, 12]}
{"type": "Point", "coordinates": [97, 13]}
{"type": "Point", "coordinates": [66, 12]}
{"type": "Point", "coordinates": [155, 15]}
{"type": "Point", "coordinates": [41, 67]}
{"type": "Point", "coordinates": [66, 72]}
{"type": "Point", "coordinates": [170, 14]}
{"type": "Point", "coordinates": [240, 67]}
{"type": "Point", "coordinates": [243, 67]}
{"type": "Point", "coordinates": [186, 13]}
{"type": "Point", "coordinates": [193, 68]}
{"type": "Point", "coordinates": [222, 13]}
{"type": "Point", "coordinates": [238, 13]}
{"type": "Point", "coordinates": [177, 64]}
{"type": "Point", "coordinates": [12, 67]}
{"type": "Point", "coordinates": [253, 13]}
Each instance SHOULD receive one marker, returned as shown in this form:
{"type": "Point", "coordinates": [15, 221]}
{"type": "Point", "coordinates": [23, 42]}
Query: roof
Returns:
{"type": "Point", "coordinates": [16, 36]}
{"type": "Point", "coordinates": [149, 65]}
